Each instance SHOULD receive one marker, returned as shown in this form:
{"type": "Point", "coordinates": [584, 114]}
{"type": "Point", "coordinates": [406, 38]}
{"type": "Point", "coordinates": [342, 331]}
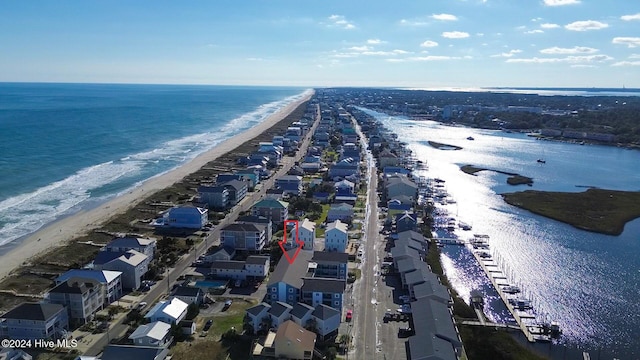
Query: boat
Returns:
{"type": "Point", "coordinates": [464, 226]}
{"type": "Point", "coordinates": [541, 161]}
{"type": "Point", "coordinates": [511, 289]}
{"type": "Point", "coordinates": [470, 138]}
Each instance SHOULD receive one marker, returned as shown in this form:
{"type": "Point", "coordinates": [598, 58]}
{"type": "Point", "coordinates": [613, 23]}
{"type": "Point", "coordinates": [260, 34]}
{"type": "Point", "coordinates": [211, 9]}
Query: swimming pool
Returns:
{"type": "Point", "coordinates": [212, 284]}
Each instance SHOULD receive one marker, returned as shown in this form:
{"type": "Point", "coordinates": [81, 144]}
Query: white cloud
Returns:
{"type": "Point", "coordinates": [626, 63]}
{"type": "Point", "coordinates": [586, 25]}
{"type": "Point", "coordinates": [573, 50]}
{"type": "Point", "coordinates": [508, 54]}
{"type": "Point", "coordinates": [429, 44]}
{"type": "Point", "coordinates": [569, 59]}
{"type": "Point", "coordinates": [455, 34]}
{"type": "Point", "coordinates": [561, 2]}
{"type": "Point", "coordinates": [634, 56]}
{"type": "Point", "coordinates": [630, 17]}
{"type": "Point", "coordinates": [341, 22]}
{"type": "Point", "coordinates": [629, 41]}
{"type": "Point", "coordinates": [375, 42]}
{"type": "Point", "coordinates": [479, 34]}
{"type": "Point", "coordinates": [406, 22]}
{"type": "Point", "coordinates": [444, 17]}
{"type": "Point", "coordinates": [582, 66]}
{"type": "Point", "coordinates": [549, 26]}
{"type": "Point", "coordinates": [255, 59]}
{"type": "Point", "coordinates": [360, 48]}
{"type": "Point", "coordinates": [536, 31]}
{"type": "Point", "coordinates": [425, 58]}
{"type": "Point", "coordinates": [536, 19]}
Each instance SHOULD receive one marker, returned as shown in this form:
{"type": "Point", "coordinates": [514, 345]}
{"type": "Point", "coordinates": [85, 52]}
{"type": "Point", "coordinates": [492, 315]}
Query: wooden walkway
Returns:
{"type": "Point", "coordinates": [518, 317]}
{"type": "Point", "coordinates": [491, 324]}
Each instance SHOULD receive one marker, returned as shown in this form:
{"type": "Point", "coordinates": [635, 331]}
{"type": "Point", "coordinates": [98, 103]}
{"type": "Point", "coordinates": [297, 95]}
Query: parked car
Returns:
{"type": "Point", "coordinates": [227, 304]}
{"type": "Point", "coordinates": [207, 325]}
{"type": "Point", "coordinates": [349, 315]}
{"type": "Point", "coordinates": [405, 332]}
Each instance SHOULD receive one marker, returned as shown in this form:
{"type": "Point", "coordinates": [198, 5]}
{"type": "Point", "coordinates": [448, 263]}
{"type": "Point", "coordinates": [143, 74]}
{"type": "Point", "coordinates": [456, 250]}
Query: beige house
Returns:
{"type": "Point", "coordinates": [291, 341]}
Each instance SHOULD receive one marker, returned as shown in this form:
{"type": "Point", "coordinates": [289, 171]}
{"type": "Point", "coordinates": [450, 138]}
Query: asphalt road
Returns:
{"type": "Point", "coordinates": [185, 261]}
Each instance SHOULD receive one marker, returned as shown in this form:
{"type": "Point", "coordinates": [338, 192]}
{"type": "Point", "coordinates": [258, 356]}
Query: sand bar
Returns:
{"type": "Point", "coordinates": [80, 223]}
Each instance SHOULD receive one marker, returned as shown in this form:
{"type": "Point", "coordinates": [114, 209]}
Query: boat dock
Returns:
{"type": "Point", "coordinates": [495, 274]}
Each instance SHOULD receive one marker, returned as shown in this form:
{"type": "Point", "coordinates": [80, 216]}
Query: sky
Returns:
{"type": "Point", "coordinates": [400, 43]}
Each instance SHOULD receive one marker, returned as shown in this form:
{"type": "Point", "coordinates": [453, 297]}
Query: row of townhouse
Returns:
{"type": "Point", "coordinates": [323, 319]}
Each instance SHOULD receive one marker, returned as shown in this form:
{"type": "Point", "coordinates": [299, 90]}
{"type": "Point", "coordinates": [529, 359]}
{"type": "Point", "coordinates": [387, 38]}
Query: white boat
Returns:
{"type": "Point", "coordinates": [464, 226]}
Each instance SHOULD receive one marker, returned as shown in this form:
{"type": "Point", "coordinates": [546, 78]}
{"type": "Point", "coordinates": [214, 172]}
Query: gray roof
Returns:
{"type": "Point", "coordinates": [415, 277]}
{"type": "Point", "coordinates": [399, 251]}
{"type": "Point", "coordinates": [413, 244]}
{"type": "Point", "coordinates": [130, 352]}
{"type": "Point", "coordinates": [234, 265]}
{"type": "Point", "coordinates": [407, 265]}
{"type": "Point", "coordinates": [429, 316]}
{"type": "Point", "coordinates": [130, 242]}
{"type": "Point", "coordinates": [256, 310]}
{"type": "Point", "coordinates": [325, 312]}
{"type": "Point", "coordinates": [33, 311]}
{"type": "Point", "coordinates": [432, 290]}
{"type": "Point", "coordinates": [244, 226]}
{"type": "Point", "coordinates": [323, 285]}
{"type": "Point", "coordinates": [430, 347]}
{"type": "Point", "coordinates": [236, 184]}
{"type": "Point", "coordinates": [102, 276]}
{"type": "Point", "coordinates": [291, 273]}
{"type": "Point", "coordinates": [257, 260]}
{"type": "Point", "coordinates": [278, 308]}
{"type": "Point", "coordinates": [410, 234]}
{"type": "Point", "coordinates": [325, 256]}
{"type": "Point", "coordinates": [187, 291]}
{"type": "Point", "coordinates": [74, 287]}
{"type": "Point", "coordinates": [301, 309]}
{"type": "Point", "coordinates": [400, 179]}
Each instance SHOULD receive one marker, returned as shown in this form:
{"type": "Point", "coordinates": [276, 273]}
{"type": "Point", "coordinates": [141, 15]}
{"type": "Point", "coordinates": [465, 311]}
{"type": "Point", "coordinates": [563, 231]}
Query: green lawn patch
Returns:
{"type": "Point", "coordinates": [597, 210]}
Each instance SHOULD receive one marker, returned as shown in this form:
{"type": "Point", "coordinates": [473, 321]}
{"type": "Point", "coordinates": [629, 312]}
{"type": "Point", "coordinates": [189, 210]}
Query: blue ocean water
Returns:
{"type": "Point", "coordinates": [67, 146]}
{"type": "Point", "coordinates": [588, 282]}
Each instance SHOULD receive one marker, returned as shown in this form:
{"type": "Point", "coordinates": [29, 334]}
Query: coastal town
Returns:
{"type": "Point", "coordinates": [318, 239]}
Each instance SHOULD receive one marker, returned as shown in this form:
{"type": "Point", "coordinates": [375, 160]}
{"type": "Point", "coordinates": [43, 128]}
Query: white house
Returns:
{"type": "Point", "coordinates": [168, 311]}
{"type": "Point", "coordinates": [190, 217]}
{"type": "Point", "coordinates": [258, 317]}
{"type": "Point", "coordinates": [307, 233]}
{"type": "Point", "coordinates": [155, 334]}
{"type": "Point", "coordinates": [188, 294]}
{"type": "Point", "coordinates": [257, 267]}
{"type": "Point", "coordinates": [336, 237]}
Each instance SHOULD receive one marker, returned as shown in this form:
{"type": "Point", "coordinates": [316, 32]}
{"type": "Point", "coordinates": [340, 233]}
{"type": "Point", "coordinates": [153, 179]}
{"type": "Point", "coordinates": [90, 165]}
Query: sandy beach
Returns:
{"type": "Point", "coordinates": [70, 227]}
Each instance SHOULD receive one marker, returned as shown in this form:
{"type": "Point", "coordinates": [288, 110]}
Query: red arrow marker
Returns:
{"type": "Point", "coordinates": [299, 243]}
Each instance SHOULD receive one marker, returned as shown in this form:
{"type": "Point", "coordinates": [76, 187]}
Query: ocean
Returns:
{"type": "Point", "coordinates": [588, 282]}
{"type": "Point", "coordinates": [66, 147]}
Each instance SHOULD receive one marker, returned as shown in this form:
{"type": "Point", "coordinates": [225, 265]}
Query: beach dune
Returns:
{"type": "Point", "coordinates": [82, 222]}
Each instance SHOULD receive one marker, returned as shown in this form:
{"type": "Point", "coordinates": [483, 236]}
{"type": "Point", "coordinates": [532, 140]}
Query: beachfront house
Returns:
{"type": "Point", "coordinates": [237, 190]}
{"type": "Point", "coordinates": [244, 236]}
{"type": "Point", "coordinates": [406, 221]}
{"type": "Point", "coordinates": [188, 217]}
{"type": "Point", "coordinates": [132, 264]}
{"type": "Point", "coordinates": [30, 321]}
{"type": "Point", "coordinates": [387, 158]}
{"type": "Point", "coordinates": [398, 185]}
{"type": "Point", "coordinates": [274, 210]}
{"type": "Point", "coordinates": [81, 299]}
{"type": "Point", "coordinates": [168, 311]}
{"type": "Point", "coordinates": [336, 237]}
{"type": "Point", "coordinates": [110, 281]}
{"type": "Point", "coordinates": [216, 197]}
{"type": "Point", "coordinates": [344, 168]}
{"type": "Point", "coordinates": [155, 334]}
{"type": "Point", "coordinates": [123, 244]}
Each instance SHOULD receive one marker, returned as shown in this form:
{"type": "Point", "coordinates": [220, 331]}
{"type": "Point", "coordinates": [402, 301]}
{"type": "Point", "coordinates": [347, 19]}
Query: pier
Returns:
{"type": "Point", "coordinates": [491, 270]}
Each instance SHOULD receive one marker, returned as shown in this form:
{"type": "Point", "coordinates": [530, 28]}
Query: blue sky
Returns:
{"type": "Point", "coordinates": [435, 43]}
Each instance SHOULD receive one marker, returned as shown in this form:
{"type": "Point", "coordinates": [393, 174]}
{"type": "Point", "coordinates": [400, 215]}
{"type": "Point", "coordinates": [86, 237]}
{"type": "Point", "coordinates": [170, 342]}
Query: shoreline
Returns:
{"type": "Point", "coordinates": [66, 228]}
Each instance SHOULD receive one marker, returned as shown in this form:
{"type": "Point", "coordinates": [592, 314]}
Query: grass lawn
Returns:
{"type": "Point", "coordinates": [322, 219]}
{"type": "Point", "coordinates": [597, 210]}
{"type": "Point", "coordinates": [225, 320]}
